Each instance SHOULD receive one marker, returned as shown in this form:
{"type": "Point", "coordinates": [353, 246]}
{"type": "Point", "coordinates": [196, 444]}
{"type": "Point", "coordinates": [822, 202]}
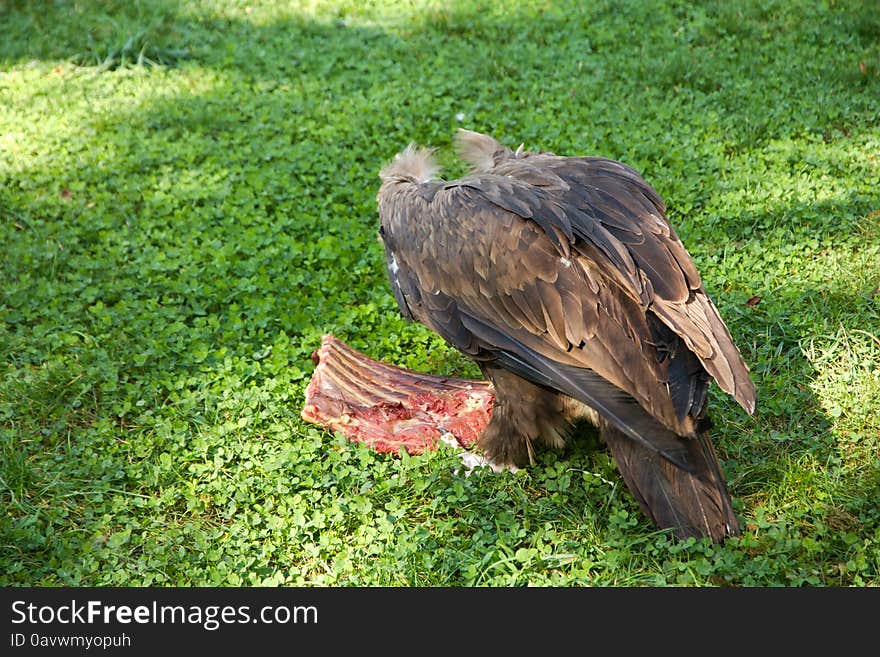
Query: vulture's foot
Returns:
{"type": "Point", "coordinates": [472, 460]}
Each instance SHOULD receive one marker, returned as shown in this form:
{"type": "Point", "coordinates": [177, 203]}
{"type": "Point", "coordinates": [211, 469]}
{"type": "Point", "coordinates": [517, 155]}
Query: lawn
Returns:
{"type": "Point", "coordinates": [187, 203]}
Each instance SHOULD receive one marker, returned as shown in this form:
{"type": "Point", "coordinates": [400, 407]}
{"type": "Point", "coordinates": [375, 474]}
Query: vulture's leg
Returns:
{"type": "Point", "coordinates": [524, 414]}
{"type": "Point", "coordinates": [690, 503]}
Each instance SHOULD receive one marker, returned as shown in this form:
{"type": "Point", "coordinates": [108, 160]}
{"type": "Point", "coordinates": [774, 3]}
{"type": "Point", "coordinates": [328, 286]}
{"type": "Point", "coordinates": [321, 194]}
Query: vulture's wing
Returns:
{"type": "Point", "coordinates": [572, 282]}
{"type": "Point", "coordinates": [619, 220]}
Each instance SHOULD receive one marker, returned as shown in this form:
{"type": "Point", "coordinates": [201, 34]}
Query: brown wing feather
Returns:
{"type": "Point", "coordinates": [615, 196]}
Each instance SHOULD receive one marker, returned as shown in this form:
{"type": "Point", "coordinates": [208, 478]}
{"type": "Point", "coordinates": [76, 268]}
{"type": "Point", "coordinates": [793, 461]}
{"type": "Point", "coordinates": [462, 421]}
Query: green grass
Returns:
{"type": "Point", "coordinates": [187, 203]}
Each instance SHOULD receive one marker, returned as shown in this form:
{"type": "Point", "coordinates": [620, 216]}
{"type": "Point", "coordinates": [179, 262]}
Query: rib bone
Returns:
{"type": "Point", "coordinates": [390, 408]}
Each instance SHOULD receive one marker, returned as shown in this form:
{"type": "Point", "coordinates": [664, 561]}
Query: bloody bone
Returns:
{"type": "Point", "coordinates": [390, 408]}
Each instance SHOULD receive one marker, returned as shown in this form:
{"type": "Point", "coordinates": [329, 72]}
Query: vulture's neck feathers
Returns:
{"type": "Point", "coordinates": [413, 164]}
{"type": "Point", "coordinates": [481, 151]}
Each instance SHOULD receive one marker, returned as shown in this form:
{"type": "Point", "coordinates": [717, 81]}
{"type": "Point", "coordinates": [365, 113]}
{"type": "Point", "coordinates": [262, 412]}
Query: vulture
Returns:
{"type": "Point", "coordinates": [562, 278]}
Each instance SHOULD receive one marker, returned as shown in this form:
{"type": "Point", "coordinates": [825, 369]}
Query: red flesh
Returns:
{"type": "Point", "coordinates": [390, 408]}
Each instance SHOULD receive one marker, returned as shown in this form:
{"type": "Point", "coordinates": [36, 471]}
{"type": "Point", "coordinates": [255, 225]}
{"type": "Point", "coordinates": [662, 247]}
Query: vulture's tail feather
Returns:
{"type": "Point", "coordinates": [695, 503]}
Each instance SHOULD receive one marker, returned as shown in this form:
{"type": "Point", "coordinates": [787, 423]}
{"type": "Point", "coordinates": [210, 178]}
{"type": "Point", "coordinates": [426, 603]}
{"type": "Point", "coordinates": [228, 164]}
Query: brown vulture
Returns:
{"type": "Point", "coordinates": [563, 279]}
